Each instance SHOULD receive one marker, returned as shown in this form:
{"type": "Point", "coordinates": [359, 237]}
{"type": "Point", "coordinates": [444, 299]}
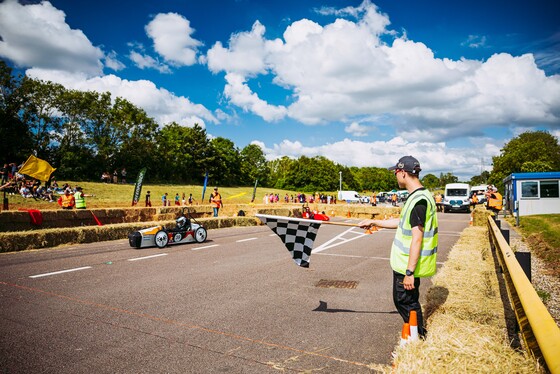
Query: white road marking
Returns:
{"type": "Point", "coordinates": [59, 272]}
{"type": "Point", "coordinates": [245, 240]}
{"type": "Point", "coordinates": [146, 257]}
{"type": "Point", "coordinates": [339, 239]}
{"type": "Point", "coordinates": [208, 246]}
{"type": "Point", "coordinates": [356, 256]}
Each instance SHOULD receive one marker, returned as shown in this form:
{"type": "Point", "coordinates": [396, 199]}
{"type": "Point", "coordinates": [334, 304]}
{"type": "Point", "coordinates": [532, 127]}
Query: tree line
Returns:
{"type": "Point", "coordinates": [86, 133]}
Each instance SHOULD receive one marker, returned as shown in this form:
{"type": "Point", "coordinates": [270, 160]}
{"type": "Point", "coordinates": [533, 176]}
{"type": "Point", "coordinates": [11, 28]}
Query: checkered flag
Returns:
{"type": "Point", "coordinates": [297, 235]}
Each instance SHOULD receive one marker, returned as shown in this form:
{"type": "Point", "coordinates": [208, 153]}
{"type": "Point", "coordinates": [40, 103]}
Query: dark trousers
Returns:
{"type": "Point", "coordinates": [407, 300]}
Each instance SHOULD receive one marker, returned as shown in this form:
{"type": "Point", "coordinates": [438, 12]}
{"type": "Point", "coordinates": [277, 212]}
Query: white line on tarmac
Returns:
{"type": "Point", "coordinates": [146, 257]}
{"type": "Point", "coordinates": [208, 246]}
{"type": "Point", "coordinates": [356, 256]}
{"type": "Point", "coordinates": [59, 272]}
{"type": "Point", "coordinates": [340, 239]}
{"type": "Point", "coordinates": [245, 240]}
{"type": "Point", "coordinates": [353, 256]}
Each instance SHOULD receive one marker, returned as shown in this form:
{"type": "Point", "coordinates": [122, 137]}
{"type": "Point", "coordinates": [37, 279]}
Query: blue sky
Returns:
{"type": "Point", "coordinates": [359, 82]}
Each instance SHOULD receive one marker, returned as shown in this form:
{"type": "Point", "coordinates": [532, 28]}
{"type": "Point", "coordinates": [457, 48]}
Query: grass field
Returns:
{"type": "Point", "coordinates": [107, 195]}
{"type": "Point", "coordinates": [542, 233]}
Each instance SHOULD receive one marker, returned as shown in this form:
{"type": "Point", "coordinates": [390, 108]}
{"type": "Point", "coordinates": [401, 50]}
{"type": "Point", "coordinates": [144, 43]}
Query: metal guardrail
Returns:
{"type": "Point", "coordinates": [538, 329]}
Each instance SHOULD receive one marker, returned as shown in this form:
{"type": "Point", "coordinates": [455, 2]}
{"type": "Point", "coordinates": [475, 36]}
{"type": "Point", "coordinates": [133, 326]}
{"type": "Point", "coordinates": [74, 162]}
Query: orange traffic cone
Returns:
{"type": "Point", "coordinates": [471, 221]}
{"type": "Point", "coordinates": [405, 333]}
{"type": "Point", "coordinates": [348, 215]}
{"type": "Point", "coordinates": [413, 321]}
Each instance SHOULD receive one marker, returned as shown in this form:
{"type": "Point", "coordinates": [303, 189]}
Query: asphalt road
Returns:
{"type": "Point", "coordinates": [236, 303]}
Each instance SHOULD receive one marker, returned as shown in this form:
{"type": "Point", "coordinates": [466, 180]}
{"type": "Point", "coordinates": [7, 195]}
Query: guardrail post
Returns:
{"type": "Point", "coordinates": [524, 259]}
{"type": "Point", "coordinates": [505, 234]}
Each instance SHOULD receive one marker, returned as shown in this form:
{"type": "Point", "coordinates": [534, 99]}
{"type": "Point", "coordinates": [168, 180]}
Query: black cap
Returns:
{"type": "Point", "coordinates": [78, 188]}
{"type": "Point", "coordinates": [408, 164]}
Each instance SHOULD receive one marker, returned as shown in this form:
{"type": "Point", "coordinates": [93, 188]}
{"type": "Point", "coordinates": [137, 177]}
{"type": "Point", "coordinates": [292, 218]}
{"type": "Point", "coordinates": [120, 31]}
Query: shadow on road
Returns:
{"type": "Point", "coordinates": [323, 308]}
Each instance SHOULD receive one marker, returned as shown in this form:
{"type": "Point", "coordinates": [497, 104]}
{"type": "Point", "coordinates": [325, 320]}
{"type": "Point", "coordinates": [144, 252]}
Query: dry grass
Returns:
{"type": "Point", "coordinates": [466, 323]}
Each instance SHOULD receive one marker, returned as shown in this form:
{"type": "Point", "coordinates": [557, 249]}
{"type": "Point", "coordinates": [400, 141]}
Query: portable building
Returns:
{"type": "Point", "coordinates": [532, 193]}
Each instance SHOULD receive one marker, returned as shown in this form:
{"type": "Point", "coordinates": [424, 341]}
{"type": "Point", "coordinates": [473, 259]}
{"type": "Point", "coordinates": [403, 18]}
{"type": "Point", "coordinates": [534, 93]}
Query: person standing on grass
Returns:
{"type": "Point", "coordinates": [414, 249]}
{"type": "Point", "coordinates": [148, 199]}
{"type": "Point", "coordinates": [216, 199]}
{"type": "Point", "coordinates": [67, 201]}
{"type": "Point", "coordinates": [79, 198]}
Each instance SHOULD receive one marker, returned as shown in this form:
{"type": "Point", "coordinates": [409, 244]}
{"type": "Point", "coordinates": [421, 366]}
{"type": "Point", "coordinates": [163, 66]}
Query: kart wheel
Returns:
{"type": "Point", "coordinates": [200, 235]}
{"type": "Point", "coordinates": [161, 239]}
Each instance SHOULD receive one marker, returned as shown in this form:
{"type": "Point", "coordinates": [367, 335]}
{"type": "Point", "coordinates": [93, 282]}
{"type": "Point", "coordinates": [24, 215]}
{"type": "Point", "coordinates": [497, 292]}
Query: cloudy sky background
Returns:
{"type": "Point", "coordinates": [359, 82]}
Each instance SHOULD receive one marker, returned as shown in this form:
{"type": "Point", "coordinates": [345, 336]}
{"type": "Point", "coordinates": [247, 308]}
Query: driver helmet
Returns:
{"type": "Point", "coordinates": [181, 222]}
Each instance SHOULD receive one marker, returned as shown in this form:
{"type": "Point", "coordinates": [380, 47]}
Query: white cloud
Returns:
{"type": "Point", "coordinates": [172, 38]}
{"type": "Point", "coordinates": [245, 55]}
{"type": "Point", "coordinates": [37, 35]}
{"type": "Point", "coordinates": [435, 158]}
{"type": "Point", "coordinates": [343, 71]}
{"type": "Point", "coordinates": [475, 41]}
{"type": "Point", "coordinates": [144, 61]}
{"type": "Point", "coordinates": [112, 61]}
{"type": "Point", "coordinates": [357, 129]}
{"type": "Point", "coordinates": [241, 95]}
{"type": "Point", "coordinates": [159, 103]}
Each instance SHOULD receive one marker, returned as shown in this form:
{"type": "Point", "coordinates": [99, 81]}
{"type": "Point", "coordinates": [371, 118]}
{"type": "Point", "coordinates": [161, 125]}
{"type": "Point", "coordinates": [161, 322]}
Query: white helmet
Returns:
{"type": "Point", "coordinates": [181, 222]}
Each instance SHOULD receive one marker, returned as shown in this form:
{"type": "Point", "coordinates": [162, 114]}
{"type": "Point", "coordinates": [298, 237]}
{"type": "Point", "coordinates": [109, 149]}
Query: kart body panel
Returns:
{"type": "Point", "coordinates": [186, 231]}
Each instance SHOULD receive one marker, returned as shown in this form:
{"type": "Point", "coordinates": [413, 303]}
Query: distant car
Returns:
{"type": "Point", "coordinates": [187, 230]}
{"type": "Point", "coordinates": [364, 199]}
{"type": "Point", "coordinates": [309, 214]}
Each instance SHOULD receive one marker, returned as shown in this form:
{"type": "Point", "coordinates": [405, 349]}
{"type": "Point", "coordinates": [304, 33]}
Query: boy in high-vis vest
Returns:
{"type": "Point", "coordinates": [414, 249]}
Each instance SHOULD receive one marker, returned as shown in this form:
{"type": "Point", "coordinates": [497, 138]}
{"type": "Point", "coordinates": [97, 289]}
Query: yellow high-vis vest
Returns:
{"type": "Point", "coordinates": [80, 200]}
{"type": "Point", "coordinates": [400, 251]}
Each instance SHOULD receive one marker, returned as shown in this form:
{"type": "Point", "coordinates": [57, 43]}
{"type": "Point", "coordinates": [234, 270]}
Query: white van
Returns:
{"type": "Point", "coordinates": [349, 196]}
{"type": "Point", "coordinates": [456, 197]}
{"type": "Point", "coordinates": [479, 191]}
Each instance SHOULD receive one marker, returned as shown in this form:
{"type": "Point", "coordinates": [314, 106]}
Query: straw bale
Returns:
{"type": "Point", "coordinates": [465, 318]}
{"type": "Point", "coordinates": [480, 216]}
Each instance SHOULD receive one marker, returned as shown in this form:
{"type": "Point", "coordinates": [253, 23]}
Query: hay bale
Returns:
{"type": "Point", "coordinates": [480, 216]}
{"type": "Point", "coordinates": [465, 318]}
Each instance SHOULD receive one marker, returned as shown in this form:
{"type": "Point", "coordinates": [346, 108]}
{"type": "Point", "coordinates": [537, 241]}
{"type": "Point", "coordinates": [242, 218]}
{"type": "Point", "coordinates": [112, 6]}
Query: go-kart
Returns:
{"type": "Point", "coordinates": [187, 230]}
{"type": "Point", "coordinates": [309, 214]}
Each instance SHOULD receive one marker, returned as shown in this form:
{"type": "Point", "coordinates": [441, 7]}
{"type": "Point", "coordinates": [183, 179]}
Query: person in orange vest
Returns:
{"type": "Point", "coordinates": [67, 201]}
{"type": "Point", "coordinates": [438, 198]}
{"type": "Point", "coordinates": [494, 200]}
{"type": "Point", "coordinates": [374, 199]}
{"type": "Point", "coordinates": [216, 199]}
{"type": "Point", "coordinates": [394, 199]}
{"type": "Point", "coordinates": [474, 201]}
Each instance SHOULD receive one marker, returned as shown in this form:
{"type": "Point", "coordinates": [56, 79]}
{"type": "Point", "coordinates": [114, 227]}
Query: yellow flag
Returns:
{"type": "Point", "coordinates": [37, 168]}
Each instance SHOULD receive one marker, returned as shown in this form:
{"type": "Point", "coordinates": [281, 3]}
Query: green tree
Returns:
{"type": "Point", "coordinates": [373, 179]}
{"type": "Point", "coordinates": [480, 179]}
{"type": "Point", "coordinates": [39, 113]}
{"type": "Point", "coordinates": [135, 137]}
{"type": "Point", "coordinates": [278, 171]}
{"type": "Point", "coordinates": [538, 150]}
{"type": "Point", "coordinates": [226, 162]}
{"type": "Point", "coordinates": [11, 125]}
{"type": "Point", "coordinates": [447, 178]}
{"type": "Point", "coordinates": [430, 181]}
{"type": "Point", "coordinates": [183, 154]}
{"type": "Point", "coordinates": [254, 166]}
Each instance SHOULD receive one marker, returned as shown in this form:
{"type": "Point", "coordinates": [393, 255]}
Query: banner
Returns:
{"type": "Point", "coordinates": [254, 190]}
{"type": "Point", "coordinates": [138, 187]}
{"type": "Point", "coordinates": [204, 187]}
{"type": "Point", "coordinates": [37, 168]}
